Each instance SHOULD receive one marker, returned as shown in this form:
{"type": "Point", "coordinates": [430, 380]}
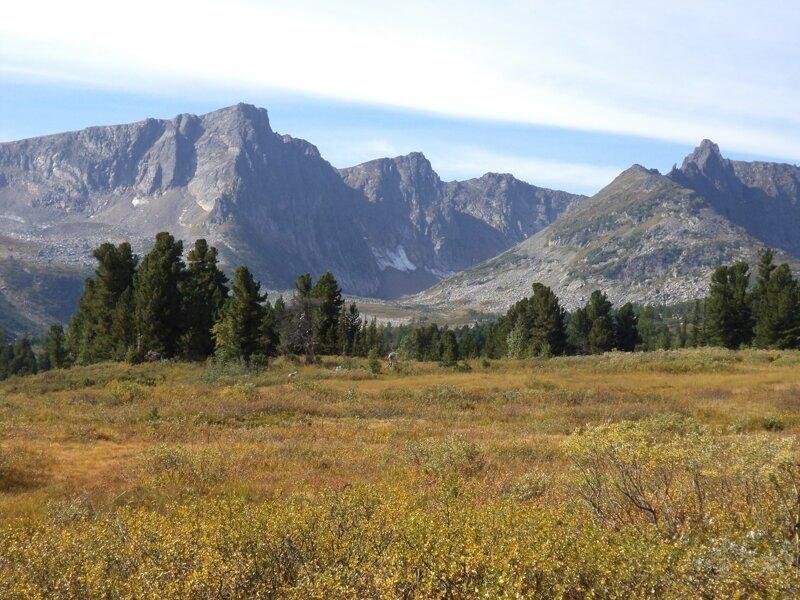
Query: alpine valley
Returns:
{"type": "Point", "coordinates": [389, 229]}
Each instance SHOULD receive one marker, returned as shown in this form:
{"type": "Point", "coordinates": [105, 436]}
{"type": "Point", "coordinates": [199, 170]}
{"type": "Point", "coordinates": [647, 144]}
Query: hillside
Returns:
{"type": "Point", "coordinates": [643, 238]}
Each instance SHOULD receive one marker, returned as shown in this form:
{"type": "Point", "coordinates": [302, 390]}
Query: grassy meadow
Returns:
{"type": "Point", "coordinates": [658, 475]}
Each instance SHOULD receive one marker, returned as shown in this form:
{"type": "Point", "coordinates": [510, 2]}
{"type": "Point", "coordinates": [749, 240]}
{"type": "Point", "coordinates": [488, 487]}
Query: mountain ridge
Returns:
{"type": "Point", "coordinates": [266, 199]}
{"type": "Point", "coordinates": [646, 237]}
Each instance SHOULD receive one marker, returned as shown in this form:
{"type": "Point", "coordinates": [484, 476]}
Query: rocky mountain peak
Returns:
{"type": "Point", "coordinates": [706, 155]}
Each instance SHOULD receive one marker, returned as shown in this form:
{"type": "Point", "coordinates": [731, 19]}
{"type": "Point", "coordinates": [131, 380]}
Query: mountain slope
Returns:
{"type": "Point", "coordinates": [267, 200]}
{"type": "Point", "coordinates": [643, 238]}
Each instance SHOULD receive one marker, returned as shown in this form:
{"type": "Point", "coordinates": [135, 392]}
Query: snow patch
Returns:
{"type": "Point", "coordinates": [396, 259]}
{"type": "Point", "coordinates": [139, 201]}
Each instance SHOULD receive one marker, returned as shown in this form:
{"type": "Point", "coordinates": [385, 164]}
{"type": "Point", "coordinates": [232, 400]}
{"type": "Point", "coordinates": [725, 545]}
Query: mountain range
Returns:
{"type": "Point", "coordinates": [386, 228]}
{"type": "Point", "coordinates": [646, 237]}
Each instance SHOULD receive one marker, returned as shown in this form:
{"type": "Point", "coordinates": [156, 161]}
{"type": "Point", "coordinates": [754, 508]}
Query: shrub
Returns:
{"type": "Point", "coordinates": [23, 468]}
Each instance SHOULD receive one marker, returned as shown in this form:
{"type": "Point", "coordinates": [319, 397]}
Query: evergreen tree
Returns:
{"type": "Point", "coordinates": [157, 299]}
{"type": "Point", "coordinates": [601, 335]}
{"type": "Point", "coordinates": [122, 324]}
{"type": "Point", "coordinates": [778, 311]}
{"type": "Point", "coordinates": [449, 353]}
{"type": "Point", "coordinates": [468, 343]}
{"type": "Point", "coordinates": [728, 313]}
{"type": "Point", "coordinates": [766, 267]}
{"type": "Point", "coordinates": [578, 331]}
{"type": "Point", "coordinates": [349, 326]}
{"type": "Point", "coordinates": [270, 338]}
{"type": "Point", "coordinates": [548, 335]}
{"type": "Point", "coordinates": [239, 332]}
{"type": "Point", "coordinates": [626, 328]}
{"type": "Point", "coordinates": [696, 331]}
{"type": "Point", "coordinates": [23, 361]}
{"type": "Point", "coordinates": [204, 290]}
{"type": "Point", "coordinates": [329, 304]}
{"type": "Point", "coordinates": [6, 358]}
{"type": "Point", "coordinates": [55, 347]}
{"type": "Point", "coordinates": [92, 336]}
{"type": "Point", "coordinates": [297, 334]}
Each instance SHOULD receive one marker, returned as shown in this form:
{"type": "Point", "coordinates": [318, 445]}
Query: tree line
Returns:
{"type": "Point", "coordinates": [163, 306]}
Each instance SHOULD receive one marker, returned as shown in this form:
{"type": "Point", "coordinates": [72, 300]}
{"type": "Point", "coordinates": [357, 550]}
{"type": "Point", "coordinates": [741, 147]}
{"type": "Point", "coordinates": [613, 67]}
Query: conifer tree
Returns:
{"type": "Point", "coordinates": [92, 336]}
{"type": "Point", "coordinates": [548, 336]}
{"type": "Point", "coordinates": [626, 328]}
{"type": "Point", "coordinates": [578, 331]}
{"type": "Point", "coordinates": [6, 358]}
{"type": "Point", "coordinates": [204, 290]}
{"type": "Point", "coordinates": [778, 310]}
{"type": "Point", "coordinates": [449, 354]}
{"type": "Point", "coordinates": [55, 347]}
{"type": "Point", "coordinates": [696, 331]}
{"type": "Point", "coordinates": [329, 303]}
{"type": "Point", "coordinates": [239, 332]}
{"type": "Point", "coordinates": [270, 338]}
{"type": "Point", "coordinates": [157, 299]}
{"type": "Point", "coordinates": [24, 360]}
{"type": "Point", "coordinates": [601, 335]}
{"type": "Point", "coordinates": [122, 331]}
{"type": "Point", "coordinates": [297, 334]}
{"type": "Point", "coordinates": [728, 313]}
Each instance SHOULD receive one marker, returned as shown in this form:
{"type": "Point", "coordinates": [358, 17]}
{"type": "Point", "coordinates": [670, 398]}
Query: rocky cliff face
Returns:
{"type": "Point", "coordinates": [761, 197]}
{"type": "Point", "coordinates": [267, 200]}
{"type": "Point", "coordinates": [418, 223]}
{"type": "Point", "coordinates": [646, 237]}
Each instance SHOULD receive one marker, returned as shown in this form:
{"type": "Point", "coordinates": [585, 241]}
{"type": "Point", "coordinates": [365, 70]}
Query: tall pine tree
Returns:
{"type": "Point", "coordinates": [204, 290]}
{"type": "Point", "coordinates": [778, 310]}
{"type": "Point", "coordinates": [728, 312]}
{"type": "Point", "coordinates": [626, 328]}
{"type": "Point", "coordinates": [548, 336]}
{"type": "Point", "coordinates": [157, 303]}
{"type": "Point", "coordinates": [328, 305]}
{"type": "Point", "coordinates": [239, 333]}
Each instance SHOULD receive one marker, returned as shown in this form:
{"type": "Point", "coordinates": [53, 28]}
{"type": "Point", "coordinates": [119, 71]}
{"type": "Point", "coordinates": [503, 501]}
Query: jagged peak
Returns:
{"type": "Point", "coordinates": [705, 154]}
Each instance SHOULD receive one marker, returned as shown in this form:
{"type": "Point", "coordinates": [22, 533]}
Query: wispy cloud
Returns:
{"type": "Point", "coordinates": [466, 161]}
{"type": "Point", "coordinates": [676, 71]}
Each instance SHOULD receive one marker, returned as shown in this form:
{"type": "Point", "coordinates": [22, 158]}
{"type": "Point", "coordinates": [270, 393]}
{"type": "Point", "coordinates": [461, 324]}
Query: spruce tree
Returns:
{"type": "Point", "coordinates": [449, 354]}
{"type": "Point", "coordinates": [204, 290]}
{"type": "Point", "coordinates": [696, 332]}
{"type": "Point", "coordinates": [157, 299]}
{"type": "Point", "coordinates": [728, 312]}
{"type": "Point", "coordinates": [6, 358]}
{"type": "Point", "coordinates": [626, 328]}
{"type": "Point", "coordinates": [55, 347]}
{"type": "Point", "coordinates": [239, 333]}
{"type": "Point", "coordinates": [92, 336]}
{"type": "Point", "coordinates": [601, 335]}
{"type": "Point", "coordinates": [24, 360]}
{"type": "Point", "coordinates": [329, 303]}
{"type": "Point", "coordinates": [270, 338]}
{"type": "Point", "coordinates": [578, 331]}
{"type": "Point", "coordinates": [548, 335]}
{"type": "Point", "coordinates": [297, 333]}
{"type": "Point", "coordinates": [778, 311]}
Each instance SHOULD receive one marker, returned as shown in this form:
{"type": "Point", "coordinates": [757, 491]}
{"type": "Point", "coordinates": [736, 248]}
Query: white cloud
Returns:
{"type": "Point", "coordinates": [467, 161]}
{"type": "Point", "coordinates": [677, 71]}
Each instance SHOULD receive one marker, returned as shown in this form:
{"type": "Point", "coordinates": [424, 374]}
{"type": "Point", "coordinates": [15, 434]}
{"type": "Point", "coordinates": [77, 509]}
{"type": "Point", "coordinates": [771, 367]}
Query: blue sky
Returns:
{"type": "Point", "coordinates": [562, 94]}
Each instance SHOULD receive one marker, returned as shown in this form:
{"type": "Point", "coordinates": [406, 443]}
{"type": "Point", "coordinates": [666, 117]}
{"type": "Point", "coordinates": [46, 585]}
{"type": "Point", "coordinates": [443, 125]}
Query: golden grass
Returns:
{"type": "Point", "coordinates": [114, 437]}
